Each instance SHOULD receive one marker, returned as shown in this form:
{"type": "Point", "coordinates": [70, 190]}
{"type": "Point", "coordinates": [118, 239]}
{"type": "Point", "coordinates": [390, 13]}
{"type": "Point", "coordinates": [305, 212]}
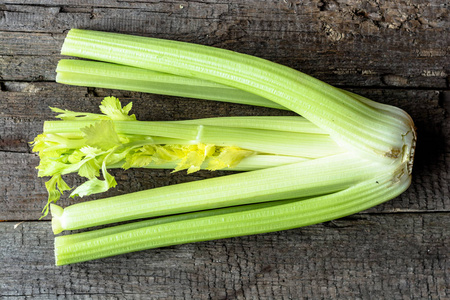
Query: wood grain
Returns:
{"type": "Point", "coordinates": [390, 51]}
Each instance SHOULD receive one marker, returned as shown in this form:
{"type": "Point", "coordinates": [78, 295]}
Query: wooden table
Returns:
{"type": "Point", "coordinates": [393, 52]}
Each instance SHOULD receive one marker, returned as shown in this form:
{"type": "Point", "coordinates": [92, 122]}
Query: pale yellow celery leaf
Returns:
{"type": "Point", "coordinates": [208, 149]}
{"type": "Point", "coordinates": [90, 165]}
{"type": "Point", "coordinates": [140, 157]}
{"type": "Point", "coordinates": [191, 157]}
{"type": "Point", "coordinates": [54, 145]}
{"type": "Point", "coordinates": [112, 107]}
{"type": "Point", "coordinates": [228, 157]}
{"type": "Point", "coordinates": [55, 187]}
{"type": "Point", "coordinates": [101, 135]}
{"type": "Point", "coordinates": [52, 155]}
{"type": "Point", "coordinates": [91, 151]}
{"type": "Point", "coordinates": [76, 156]}
{"type": "Point", "coordinates": [45, 147]}
{"type": "Point", "coordinates": [95, 185]}
{"type": "Point", "coordinates": [87, 161]}
{"type": "Point", "coordinates": [164, 154]}
{"type": "Point", "coordinates": [178, 150]}
{"type": "Point", "coordinates": [191, 161]}
{"type": "Point", "coordinates": [39, 143]}
{"type": "Point", "coordinates": [137, 161]}
{"type": "Point", "coordinates": [96, 159]}
{"type": "Point", "coordinates": [64, 163]}
{"type": "Point", "coordinates": [51, 161]}
{"type": "Point", "coordinates": [117, 156]}
{"type": "Point", "coordinates": [90, 168]}
{"type": "Point", "coordinates": [51, 166]}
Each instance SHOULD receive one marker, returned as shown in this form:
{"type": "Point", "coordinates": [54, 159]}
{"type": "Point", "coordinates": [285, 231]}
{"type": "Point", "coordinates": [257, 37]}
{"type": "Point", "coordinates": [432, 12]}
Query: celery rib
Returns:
{"type": "Point", "coordinates": [259, 220]}
{"type": "Point", "coordinates": [64, 240]}
{"type": "Point", "coordinates": [279, 123]}
{"type": "Point", "coordinates": [302, 179]}
{"type": "Point", "coordinates": [265, 141]}
{"type": "Point", "coordinates": [343, 153]}
{"type": "Point", "coordinates": [106, 75]}
{"type": "Point", "coordinates": [336, 112]}
{"type": "Point", "coordinates": [251, 163]}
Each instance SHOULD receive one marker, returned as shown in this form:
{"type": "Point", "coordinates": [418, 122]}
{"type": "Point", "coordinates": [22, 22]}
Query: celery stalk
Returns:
{"type": "Point", "coordinates": [251, 163]}
{"type": "Point", "coordinates": [304, 179]}
{"type": "Point", "coordinates": [344, 154]}
{"type": "Point", "coordinates": [105, 75]}
{"type": "Point", "coordinates": [279, 123]}
{"type": "Point", "coordinates": [88, 143]}
{"type": "Point", "coordinates": [64, 240]}
{"type": "Point", "coordinates": [354, 124]}
{"type": "Point", "coordinates": [264, 141]}
{"type": "Point", "coordinates": [202, 228]}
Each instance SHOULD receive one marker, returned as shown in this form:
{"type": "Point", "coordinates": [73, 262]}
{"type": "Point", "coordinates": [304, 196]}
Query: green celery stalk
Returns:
{"type": "Point", "coordinates": [264, 141]}
{"type": "Point", "coordinates": [354, 153]}
{"type": "Point", "coordinates": [356, 125]}
{"type": "Point", "coordinates": [251, 163]}
{"type": "Point", "coordinates": [106, 75]}
{"type": "Point", "coordinates": [210, 225]}
{"type": "Point", "coordinates": [278, 123]}
{"type": "Point", "coordinates": [304, 179]}
{"type": "Point", "coordinates": [88, 143]}
{"type": "Point", "coordinates": [64, 240]}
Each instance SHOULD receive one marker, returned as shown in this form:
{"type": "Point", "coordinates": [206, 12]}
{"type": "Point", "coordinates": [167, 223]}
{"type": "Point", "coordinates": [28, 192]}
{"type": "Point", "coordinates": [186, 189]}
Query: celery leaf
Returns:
{"type": "Point", "coordinates": [55, 187]}
{"type": "Point", "coordinates": [68, 115]}
{"type": "Point", "coordinates": [101, 135]}
{"type": "Point", "coordinates": [95, 186]}
{"type": "Point", "coordinates": [228, 157]}
{"type": "Point", "coordinates": [90, 168]}
{"type": "Point", "coordinates": [112, 107]}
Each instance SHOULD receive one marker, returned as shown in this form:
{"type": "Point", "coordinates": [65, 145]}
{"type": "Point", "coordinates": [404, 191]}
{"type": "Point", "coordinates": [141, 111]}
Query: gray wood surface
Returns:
{"type": "Point", "coordinates": [390, 51]}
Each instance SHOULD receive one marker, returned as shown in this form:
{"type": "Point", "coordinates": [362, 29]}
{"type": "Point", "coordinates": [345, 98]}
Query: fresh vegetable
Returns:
{"type": "Point", "coordinates": [348, 153]}
{"type": "Point", "coordinates": [89, 144]}
{"type": "Point", "coordinates": [107, 75]}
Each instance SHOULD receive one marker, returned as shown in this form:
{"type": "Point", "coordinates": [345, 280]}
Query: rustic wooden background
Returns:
{"type": "Point", "coordinates": [394, 52]}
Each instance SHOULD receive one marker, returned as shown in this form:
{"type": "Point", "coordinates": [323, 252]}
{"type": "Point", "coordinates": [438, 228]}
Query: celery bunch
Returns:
{"type": "Point", "coordinates": [89, 144]}
{"type": "Point", "coordinates": [344, 154]}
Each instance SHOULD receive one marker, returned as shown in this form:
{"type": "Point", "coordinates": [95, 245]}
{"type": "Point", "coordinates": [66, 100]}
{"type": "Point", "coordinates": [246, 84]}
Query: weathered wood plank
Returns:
{"type": "Point", "coordinates": [403, 256]}
{"type": "Point", "coordinates": [31, 44]}
{"type": "Point", "coordinates": [28, 68]}
{"type": "Point", "coordinates": [130, 4]}
{"type": "Point", "coordinates": [157, 17]}
{"type": "Point", "coordinates": [406, 16]}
